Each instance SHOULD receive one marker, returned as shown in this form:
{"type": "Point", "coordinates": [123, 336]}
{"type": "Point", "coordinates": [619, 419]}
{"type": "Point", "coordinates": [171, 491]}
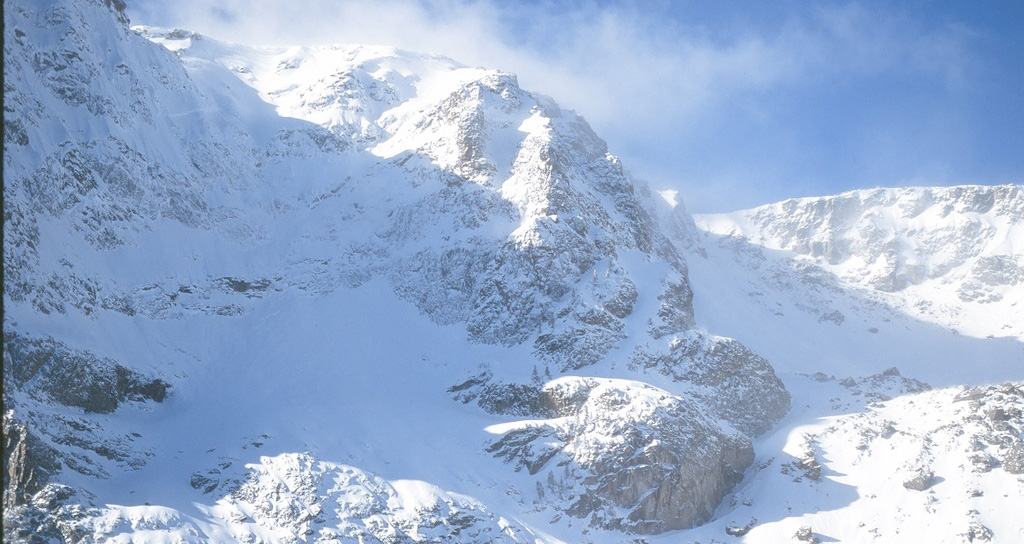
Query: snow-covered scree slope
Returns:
{"type": "Point", "coordinates": [238, 275]}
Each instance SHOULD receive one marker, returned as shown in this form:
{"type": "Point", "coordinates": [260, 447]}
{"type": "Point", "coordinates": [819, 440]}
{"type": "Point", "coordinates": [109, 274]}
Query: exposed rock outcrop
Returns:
{"type": "Point", "coordinates": [626, 455]}
{"type": "Point", "coordinates": [47, 370]}
{"type": "Point", "coordinates": [737, 384]}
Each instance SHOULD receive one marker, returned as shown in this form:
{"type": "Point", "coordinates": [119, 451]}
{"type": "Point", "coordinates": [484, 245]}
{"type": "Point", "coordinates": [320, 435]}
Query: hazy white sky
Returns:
{"type": "Point", "coordinates": [733, 103]}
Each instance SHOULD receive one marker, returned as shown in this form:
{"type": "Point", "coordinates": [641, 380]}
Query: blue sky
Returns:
{"type": "Point", "coordinates": [733, 103]}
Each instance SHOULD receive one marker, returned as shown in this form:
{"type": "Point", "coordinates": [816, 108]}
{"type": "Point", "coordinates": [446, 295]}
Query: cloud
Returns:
{"type": "Point", "coordinates": [620, 49]}
{"type": "Point", "coordinates": [688, 97]}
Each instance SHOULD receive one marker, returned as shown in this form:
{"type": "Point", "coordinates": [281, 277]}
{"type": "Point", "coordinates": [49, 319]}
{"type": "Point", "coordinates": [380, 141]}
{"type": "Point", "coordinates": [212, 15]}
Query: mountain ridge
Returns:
{"type": "Point", "coordinates": [907, 246]}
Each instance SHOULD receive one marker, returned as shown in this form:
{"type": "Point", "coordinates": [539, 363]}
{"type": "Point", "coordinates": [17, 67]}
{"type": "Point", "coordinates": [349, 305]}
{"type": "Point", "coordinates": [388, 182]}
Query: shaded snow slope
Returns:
{"type": "Point", "coordinates": [873, 458]}
{"type": "Point", "coordinates": [879, 459]}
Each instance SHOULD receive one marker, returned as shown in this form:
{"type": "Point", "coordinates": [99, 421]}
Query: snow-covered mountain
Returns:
{"type": "Point", "coordinates": [951, 256]}
{"type": "Point", "coordinates": [831, 266]}
{"type": "Point", "coordinates": [356, 294]}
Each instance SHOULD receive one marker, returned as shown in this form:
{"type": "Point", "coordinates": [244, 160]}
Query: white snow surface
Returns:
{"type": "Point", "coordinates": [950, 256]}
{"type": "Point", "coordinates": [257, 277]}
{"type": "Point", "coordinates": [926, 279]}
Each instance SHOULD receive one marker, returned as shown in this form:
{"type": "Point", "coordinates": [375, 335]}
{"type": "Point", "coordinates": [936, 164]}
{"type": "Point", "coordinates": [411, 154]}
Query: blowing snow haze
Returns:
{"type": "Point", "coordinates": [351, 293]}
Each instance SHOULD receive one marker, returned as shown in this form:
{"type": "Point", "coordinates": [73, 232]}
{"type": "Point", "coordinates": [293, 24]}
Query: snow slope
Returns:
{"type": "Point", "coordinates": [818, 277]}
{"type": "Point", "coordinates": [949, 256]}
{"type": "Point", "coordinates": [358, 294]}
{"type": "Point", "coordinates": [850, 464]}
{"type": "Point", "coordinates": [809, 284]}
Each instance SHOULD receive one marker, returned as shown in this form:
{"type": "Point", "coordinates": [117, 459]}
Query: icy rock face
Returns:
{"type": "Point", "coordinates": [356, 503]}
{"type": "Point", "coordinates": [346, 89]}
{"type": "Point", "coordinates": [37, 509]}
{"type": "Point", "coordinates": [626, 455]}
{"type": "Point", "coordinates": [517, 399]}
{"type": "Point", "coordinates": [884, 385]}
{"type": "Point", "coordinates": [51, 397]}
{"type": "Point", "coordinates": [288, 498]}
{"type": "Point", "coordinates": [55, 513]}
{"type": "Point", "coordinates": [889, 239]}
{"type": "Point", "coordinates": [995, 416]}
{"type": "Point", "coordinates": [949, 256]}
{"type": "Point", "coordinates": [562, 205]}
{"type": "Point", "coordinates": [679, 225]}
{"type": "Point", "coordinates": [28, 464]}
{"type": "Point", "coordinates": [634, 457]}
{"type": "Point", "coordinates": [104, 145]}
{"type": "Point", "coordinates": [517, 225]}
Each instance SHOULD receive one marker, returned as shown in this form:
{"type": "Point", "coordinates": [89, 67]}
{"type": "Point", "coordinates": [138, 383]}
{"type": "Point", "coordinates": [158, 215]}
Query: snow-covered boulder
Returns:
{"type": "Point", "coordinates": [626, 455]}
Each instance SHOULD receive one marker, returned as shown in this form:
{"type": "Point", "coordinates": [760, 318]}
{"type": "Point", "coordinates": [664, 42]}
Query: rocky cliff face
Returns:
{"type": "Point", "coordinates": [159, 197]}
{"type": "Point", "coordinates": [626, 455]}
{"type": "Point", "coordinates": [515, 200]}
{"type": "Point", "coordinates": [893, 238]}
{"type": "Point", "coordinates": [947, 256]}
